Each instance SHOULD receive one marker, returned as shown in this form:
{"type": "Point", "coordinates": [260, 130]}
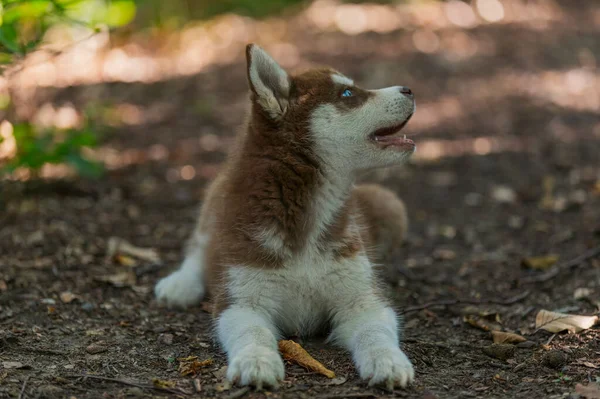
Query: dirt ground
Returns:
{"type": "Point", "coordinates": [510, 169]}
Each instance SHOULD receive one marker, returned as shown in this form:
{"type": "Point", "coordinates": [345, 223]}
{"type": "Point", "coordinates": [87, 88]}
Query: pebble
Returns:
{"type": "Point", "coordinates": [500, 351]}
{"type": "Point", "coordinates": [554, 359]}
{"type": "Point", "coordinates": [97, 347]}
{"type": "Point", "coordinates": [88, 306]}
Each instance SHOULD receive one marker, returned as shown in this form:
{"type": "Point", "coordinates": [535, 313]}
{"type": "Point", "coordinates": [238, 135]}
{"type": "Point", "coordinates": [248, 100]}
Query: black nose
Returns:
{"type": "Point", "coordinates": [406, 91]}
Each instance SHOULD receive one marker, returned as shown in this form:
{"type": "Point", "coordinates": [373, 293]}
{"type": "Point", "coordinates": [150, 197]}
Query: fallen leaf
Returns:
{"type": "Point", "coordinates": [163, 383]}
{"type": "Point", "coordinates": [51, 309]}
{"type": "Point", "coordinates": [193, 366]}
{"type": "Point", "coordinates": [67, 297]}
{"type": "Point", "coordinates": [97, 347]}
{"type": "Point", "coordinates": [501, 337]}
{"type": "Point", "coordinates": [482, 323]}
{"type": "Point", "coordinates": [590, 391]}
{"type": "Point", "coordinates": [125, 260]}
{"type": "Point", "coordinates": [187, 359]}
{"type": "Point", "coordinates": [292, 351]}
{"type": "Point", "coordinates": [12, 365]}
{"type": "Point", "coordinates": [337, 381]}
{"type": "Point", "coordinates": [555, 322]}
{"type": "Point", "coordinates": [587, 364]}
{"type": "Point", "coordinates": [540, 262]}
{"type": "Point", "coordinates": [504, 194]}
{"type": "Point", "coordinates": [121, 279]}
{"type": "Point", "coordinates": [220, 373]}
{"type": "Point", "coordinates": [223, 386]}
{"type": "Point", "coordinates": [118, 246]}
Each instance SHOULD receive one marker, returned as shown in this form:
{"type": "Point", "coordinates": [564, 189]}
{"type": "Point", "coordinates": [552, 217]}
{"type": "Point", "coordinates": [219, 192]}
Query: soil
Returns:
{"type": "Point", "coordinates": [478, 209]}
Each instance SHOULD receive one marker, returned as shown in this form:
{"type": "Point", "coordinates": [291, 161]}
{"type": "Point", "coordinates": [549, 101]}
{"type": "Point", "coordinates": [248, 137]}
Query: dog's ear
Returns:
{"type": "Point", "coordinates": [268, 81]}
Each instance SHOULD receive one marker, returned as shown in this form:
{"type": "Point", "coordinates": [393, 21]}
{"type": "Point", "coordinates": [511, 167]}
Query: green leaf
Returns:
{"type": "Point", "coordinates": [26, 10]}
{"type": "Point", "coordinates": [85, 167]}
{"type": "Point", "coordinates": [5, 58]}
{"type": "Point", "coordinates": [120, 12]}
{"type": "Point", "coordinates": [8, 38]}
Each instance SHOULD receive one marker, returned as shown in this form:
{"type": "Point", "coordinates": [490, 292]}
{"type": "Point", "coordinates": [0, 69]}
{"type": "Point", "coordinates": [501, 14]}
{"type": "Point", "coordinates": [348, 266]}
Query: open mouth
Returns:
{"type": "Point", "coordinates": [389, 137]}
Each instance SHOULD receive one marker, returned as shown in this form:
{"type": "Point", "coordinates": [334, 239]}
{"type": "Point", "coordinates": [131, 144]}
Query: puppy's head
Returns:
{"type": "Point", "coordinates": [348, 127]}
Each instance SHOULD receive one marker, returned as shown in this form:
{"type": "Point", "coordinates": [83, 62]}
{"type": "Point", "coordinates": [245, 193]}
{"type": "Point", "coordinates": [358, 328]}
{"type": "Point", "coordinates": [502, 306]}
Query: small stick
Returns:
{"type": "Point", "coordinates": [125, 382]}
{"type": "Point", "coordinates": [550, 340]}
{"type": "Point", "coordinates": [451, 302]}
{"type": "Point", "coordinates": [22, 393]}
{"type": "Point", "coordinates": [555, 270]}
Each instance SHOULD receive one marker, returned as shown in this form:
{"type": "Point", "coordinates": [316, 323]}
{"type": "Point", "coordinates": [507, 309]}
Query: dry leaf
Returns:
{"type": "Point", "coordinates": [294, 352]}
{"type": "Point", "coordinates": [501, 337]}
{"type": "Point", "coordinates": [121, 279]}
{"type": "Point", "coordinates": [118, 246]}
{"type": "Point", "coordinates": [163, 383]}
{"type": "Point", "coordinates": [193, 366]}
{"type": "Point", "coordinates": [555, 322]}
{"type": "Point", "coordinates": [67, 297]}
{"type": "Point", "coordinates": [12, 365]}
{"type": "Point", "coordinates": [187, 359]}
{"type": "Point", "coordinates": [504, 194]}
{"type": "Point", "coordinates": [223, 386]}
{"type": "Point", "coordinates": [540, 262]}
{"type": "Point", "coordinates": [481, 323]}
{"type": "Point", "coordinates": [125, 260]}
{"type": "Point", "coordinates": [96, 347]}
{"type": "Point", "coordinates": [587, 364]}
{"type": "Point", "coordinates": [590, 391]}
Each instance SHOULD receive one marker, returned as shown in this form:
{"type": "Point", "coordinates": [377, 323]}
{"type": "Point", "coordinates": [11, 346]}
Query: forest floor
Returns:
{"type": "Point", "coordinates": [509, 137]}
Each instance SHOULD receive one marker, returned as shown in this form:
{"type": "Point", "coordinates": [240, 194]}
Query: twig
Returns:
{"type": "Point", "coordinates": [348, 395]}
{"type": "Point", "coordinates": [555, 270]}
{"type": "Point", "coordinates": [125, 382]}
{"type": "Point", "coordinates": [239, 393]}
{"type": "Point", "coordinates": [451, 302]}
{"type": "Point", "coordinates": [550, 339]}
{"type": "Point", "coordinates": [22, 393]}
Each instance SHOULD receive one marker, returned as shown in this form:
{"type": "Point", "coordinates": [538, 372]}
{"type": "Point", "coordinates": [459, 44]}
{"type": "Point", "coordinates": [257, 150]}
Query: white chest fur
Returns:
{"type": "Point", "coordinates": [302, 296]}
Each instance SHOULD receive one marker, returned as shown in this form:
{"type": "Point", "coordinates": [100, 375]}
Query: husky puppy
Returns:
{"type": "Point", "coordinates": [286, 244]}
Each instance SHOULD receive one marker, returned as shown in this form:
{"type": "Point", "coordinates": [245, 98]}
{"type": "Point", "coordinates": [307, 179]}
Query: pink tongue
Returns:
{"type": "Point", "coordinates": [394, 139]}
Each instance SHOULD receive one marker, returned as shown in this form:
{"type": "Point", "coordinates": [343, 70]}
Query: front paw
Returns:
{"type": "Point", "coordinates": [180, 289]}
{"type": "Point", "coordinates": [256, 365]}
{"type": "Point", "coordinates": [388, 366]}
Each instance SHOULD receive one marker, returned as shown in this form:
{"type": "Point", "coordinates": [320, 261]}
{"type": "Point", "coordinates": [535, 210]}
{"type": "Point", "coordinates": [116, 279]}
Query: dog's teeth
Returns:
{"type": "Point", "coordinates": [405, 137]}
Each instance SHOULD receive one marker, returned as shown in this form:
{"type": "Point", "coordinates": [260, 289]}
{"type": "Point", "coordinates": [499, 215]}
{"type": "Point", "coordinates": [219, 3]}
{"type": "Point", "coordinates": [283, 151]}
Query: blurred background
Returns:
{"type": "Point", "coordinates": [115, 114]}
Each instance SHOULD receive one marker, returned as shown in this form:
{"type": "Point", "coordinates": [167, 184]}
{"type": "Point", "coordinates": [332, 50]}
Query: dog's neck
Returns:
{"type": "Point", "coordinates": [292, 201]}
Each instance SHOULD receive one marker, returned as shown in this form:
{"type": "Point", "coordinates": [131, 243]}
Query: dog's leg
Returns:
{"type": "Point", "coordinates": [185, 287]}
{"type": "Point", "coordinates": [250, 339]}
{"type": "Point", "coordinates": [369, 330]}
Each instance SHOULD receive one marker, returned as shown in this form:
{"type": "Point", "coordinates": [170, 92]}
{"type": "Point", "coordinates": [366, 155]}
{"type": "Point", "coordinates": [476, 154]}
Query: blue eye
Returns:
{"type": "Point", "coordinates": [347, 93]}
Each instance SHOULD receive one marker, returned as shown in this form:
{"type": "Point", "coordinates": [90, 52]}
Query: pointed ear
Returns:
{"type": "Point", "coordinates": [268, 81]}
